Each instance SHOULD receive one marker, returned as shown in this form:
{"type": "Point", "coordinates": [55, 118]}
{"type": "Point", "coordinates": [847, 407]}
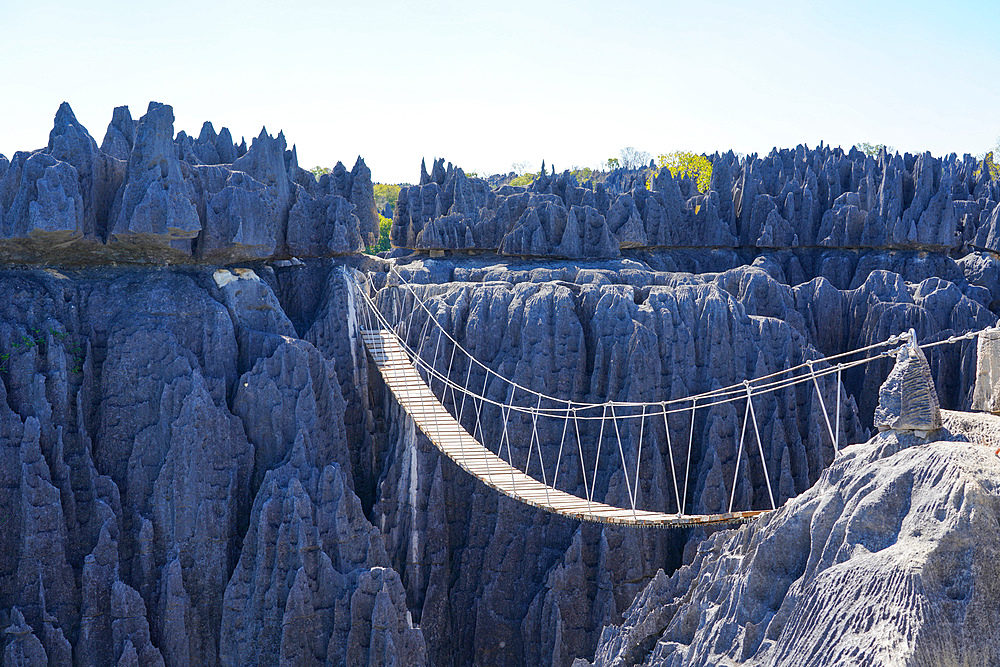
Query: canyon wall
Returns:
{"type": "Point", "coordinates": [200, 466]}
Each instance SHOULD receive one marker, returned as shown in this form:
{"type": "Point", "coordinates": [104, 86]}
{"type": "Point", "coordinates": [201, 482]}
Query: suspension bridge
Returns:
{"type": "Point", "coordinates": [387, 334]}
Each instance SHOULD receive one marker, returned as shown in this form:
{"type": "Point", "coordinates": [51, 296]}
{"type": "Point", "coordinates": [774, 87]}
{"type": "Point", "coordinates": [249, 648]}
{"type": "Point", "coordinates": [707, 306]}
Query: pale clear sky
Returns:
{"type": "Point", "coordinates": [488, 85]}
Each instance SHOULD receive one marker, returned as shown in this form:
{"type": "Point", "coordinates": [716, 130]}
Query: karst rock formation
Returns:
{"type": "Point", "coordinates": [199, 465]}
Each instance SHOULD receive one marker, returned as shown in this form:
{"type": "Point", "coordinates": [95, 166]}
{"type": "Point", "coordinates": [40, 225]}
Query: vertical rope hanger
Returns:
{"type": "Point", "coordinates": [506, 437]}
{"type": "Point", "coordinates": [638, 457]}
{"type": "Point", "coordinates": [621, 451]}
{"type": "Point", "coordinates": [760, 447]}
{"type": "Point", "coordinates": [670, 450]}
{"type": "Point", "coordinates": [562, 441]}
{"type": "Point", "coordinates": [583, 468]}
{"type": "Point", "coordinates": [836, 443]}
{"type": "Point", "coordinates": [534, 435]}
{"type": "Point", "coordinates": [687, 463]}
{"type": "Point", "coordinates": [822, 404]}
{"type": "Point", "coordinates": [739, 452]}
{"type": "Point", "coordinates": [479, 424]}
{"type": "Point", "coordinates": [597, 459]}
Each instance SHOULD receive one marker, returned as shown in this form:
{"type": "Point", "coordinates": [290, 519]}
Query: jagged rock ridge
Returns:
{"type": "Point", "coordinates": [801, 198]}
{"type": "Point", "coordinates": [146, 195]}
{"type": "Point", "coordinates": [204, 468]}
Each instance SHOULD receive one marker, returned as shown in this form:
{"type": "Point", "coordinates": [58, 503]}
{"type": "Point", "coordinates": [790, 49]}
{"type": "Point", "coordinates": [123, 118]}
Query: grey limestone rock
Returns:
{"type": "Point", "coordinates": [40, 199]}
{"type": "Point", "coordinates": [131, 566]}
{"type": "Point", "coordinates": [265, 162]}
{"type": "Point", "coordinates": [100, 572]}
{"type": "Point", "coordinates": [308, 552]}
{"type": "Point", "coordinates": [130, 629]}
{"type": "Point", "coordinates": [23, 649]}
{"type": "Point", "coordinates": [986, 394]}
{"type": "Point", "coordinates": [156, 205]}
{"type": "Point", "coordinates": [43, 579]}
{"type": "Point", "coordinates": [908, 400]}
{"type": "Point", "coordinates": [790, 198]}
{"type": "Point", "coordinates": [381, 633]}
{"type": "Point", "coordinates": [120, 136]}
{"type": "Point", "coordinates": [212, 148]}
{"type": "Point", "coordinates": [912, 524]}
{"type": "Point", "coordinates": [551, 230]}
{"type": "Point", "coordinates": [362, 195]}
{"type": "Point", "coordinates": [241, 220]}
{"type": "Point", "coordinates": [589, 342]}
{"type": "Point", "coordinates": [261, 325]}
{"type": "Point", "coordinates": [196, 507]}
{"type": "Point", "coordinates": [291, 392]}
{"type": "Point", "coordinates": [323, 227]}
{"type": "Point", "coordinates": [99, 175]}
{"type": "Point", "coordinates": [148, 196]}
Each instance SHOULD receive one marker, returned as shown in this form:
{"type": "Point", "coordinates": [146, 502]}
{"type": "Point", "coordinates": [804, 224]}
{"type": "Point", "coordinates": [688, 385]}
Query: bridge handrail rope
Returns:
{"type": "Point", "coordinates": [728, 394]}
{"type": "Point", "coordinates": [736, 390]}
{"type": "Point", "coordinates": [579, 406]}
{"type": "Point", "coordinates": [374, 319]}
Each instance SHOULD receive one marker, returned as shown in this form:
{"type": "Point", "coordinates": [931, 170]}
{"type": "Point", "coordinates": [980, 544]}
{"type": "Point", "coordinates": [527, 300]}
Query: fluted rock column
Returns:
{"type": "Point", "coordinates": [907, 400]}
{"type": "Point", "coordinates": [986, 395]}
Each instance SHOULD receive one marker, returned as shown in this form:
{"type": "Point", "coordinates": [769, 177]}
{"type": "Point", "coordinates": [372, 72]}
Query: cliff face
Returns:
{"type": "Point", "coordinates": [179, 461]}
{"type": "Point", "coordinates": [888, 559]}
{"type": "Point", "coordinates": [622, 331]}
{"type": "Point", "coordinates": [173, 449]}
{"type": "Point", "coordinates": [200, 466]}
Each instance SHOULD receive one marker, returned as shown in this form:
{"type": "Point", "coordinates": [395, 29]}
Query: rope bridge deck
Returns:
{"type": "Point", "coordinates": [455, 442]}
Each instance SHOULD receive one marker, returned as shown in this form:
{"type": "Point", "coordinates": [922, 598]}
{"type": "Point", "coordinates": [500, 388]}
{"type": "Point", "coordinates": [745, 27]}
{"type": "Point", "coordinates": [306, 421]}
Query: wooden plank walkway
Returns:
{"type": "Point", "coordinates": [455, 442]}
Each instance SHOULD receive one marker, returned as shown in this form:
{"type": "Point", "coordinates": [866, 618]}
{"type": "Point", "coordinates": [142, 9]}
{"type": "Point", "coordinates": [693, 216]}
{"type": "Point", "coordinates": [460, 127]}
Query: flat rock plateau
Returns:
{"type": "Point", "coordinates": [200, 466]}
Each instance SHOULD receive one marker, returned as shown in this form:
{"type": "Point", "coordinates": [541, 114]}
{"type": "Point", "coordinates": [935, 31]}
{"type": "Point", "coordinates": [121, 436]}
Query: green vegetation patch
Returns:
{"type": "Point", "coordinates": [688, 164]}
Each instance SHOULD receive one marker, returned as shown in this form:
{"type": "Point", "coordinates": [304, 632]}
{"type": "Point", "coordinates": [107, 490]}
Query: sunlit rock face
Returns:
{"type": "Point", "coordinates": [889, 558]}
{"type": "Point", "coordinates": [986, 396]}
{"type": "Point", "coordinates": [908, 400]}
{"type": "Point", "coordinates": [147, 195]}
{"type": "Point", "coordinates": [821, 201]}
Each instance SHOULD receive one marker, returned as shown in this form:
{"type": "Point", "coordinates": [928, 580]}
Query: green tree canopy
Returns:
{"type": "Point", "coordinates": [386, 193]}
{"type": "Point", "coordinates": [384, 225]}
{"type": "Point", "coordinates": [688, 164]}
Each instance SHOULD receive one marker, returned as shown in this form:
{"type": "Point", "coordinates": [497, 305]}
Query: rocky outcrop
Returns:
{"type": "Point", "coordinates": [552, 218]}
{"type": "Point", "coordinates": [907, 530]}
{"type": "Point", "coordinates": [147, 419]}
{"type": "Point", "coordinates": [583, 322]}
{"type": "Point", "coordinates": [146, 195]}
{"type": "Point", "coordinates": [202, 467]}
{"type": "Point", "coordinates": [157, 203]}
{"type": "Point", "coordinates": [986, 394]}
{"type": "Point", "coordinates": [908, 401]}
{"type": "Point", "coordinates": [309, 563]}
{"type": "Point", "coordinates": [591, 342]}
{"type": "Point", "coordinates": [790, 199]}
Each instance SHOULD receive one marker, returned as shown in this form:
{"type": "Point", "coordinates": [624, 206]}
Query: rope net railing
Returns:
{"type": "Point", "coordinates": [516, 420]}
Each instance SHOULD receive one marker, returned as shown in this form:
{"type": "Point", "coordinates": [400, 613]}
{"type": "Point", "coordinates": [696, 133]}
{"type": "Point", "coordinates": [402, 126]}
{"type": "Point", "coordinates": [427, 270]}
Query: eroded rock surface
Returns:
{"type": "Point", "coordinates": [889, 558]}
{"type": "Point", "coordinates": [153, 425]}
{"type": "Point", "coordinates": [148, 195]}
{"type": "Point", "coordinates": [202, 466]}
{"type": "Point", "coordinates": [789, 199]}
